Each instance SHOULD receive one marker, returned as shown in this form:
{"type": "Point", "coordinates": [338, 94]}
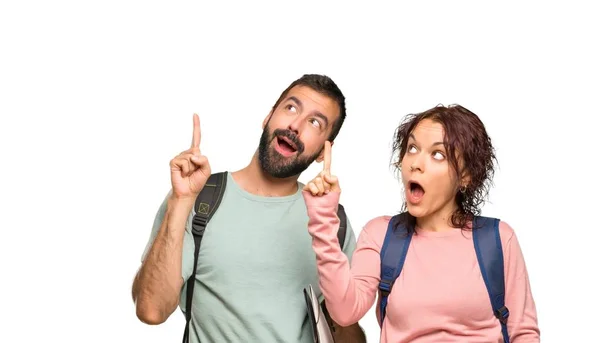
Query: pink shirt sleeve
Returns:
{"type": "Point", "coordinates": [351, 290]}
{"type": "Point", "coordinates": [522, 321]}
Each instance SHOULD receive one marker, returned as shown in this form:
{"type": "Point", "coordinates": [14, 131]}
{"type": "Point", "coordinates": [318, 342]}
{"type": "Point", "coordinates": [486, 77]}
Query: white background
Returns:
{"type": "Point", "coordinates": [97, 97]}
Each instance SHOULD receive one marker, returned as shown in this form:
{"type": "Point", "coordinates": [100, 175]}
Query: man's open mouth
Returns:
{"type": "Point", "coordinates": [285, 146]}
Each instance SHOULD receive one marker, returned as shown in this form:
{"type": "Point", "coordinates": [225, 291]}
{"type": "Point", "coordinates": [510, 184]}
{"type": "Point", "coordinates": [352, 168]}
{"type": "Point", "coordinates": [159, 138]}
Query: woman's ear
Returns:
{"type": "Point", "coordinates": [465, 180]}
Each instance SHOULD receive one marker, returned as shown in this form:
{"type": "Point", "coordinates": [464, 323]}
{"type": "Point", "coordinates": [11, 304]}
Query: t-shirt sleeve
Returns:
{"type": "Point", "coordinates": [349, 290]}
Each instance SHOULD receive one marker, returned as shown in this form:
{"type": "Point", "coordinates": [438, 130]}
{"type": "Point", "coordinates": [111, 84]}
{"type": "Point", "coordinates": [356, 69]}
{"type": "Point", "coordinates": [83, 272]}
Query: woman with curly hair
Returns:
{"type": "Point", "coordinates": [446, 160]}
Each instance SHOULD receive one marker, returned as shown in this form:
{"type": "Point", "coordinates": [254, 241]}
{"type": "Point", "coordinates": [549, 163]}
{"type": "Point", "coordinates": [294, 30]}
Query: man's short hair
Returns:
{"type": "Point", "coordinates": [324, 85]}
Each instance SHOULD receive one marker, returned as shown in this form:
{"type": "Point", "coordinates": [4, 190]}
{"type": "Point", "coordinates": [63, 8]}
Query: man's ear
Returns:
{"type": "Point", "coordinates": [321, 156]}
{"type": "Point", "coordinates": [266, 120]}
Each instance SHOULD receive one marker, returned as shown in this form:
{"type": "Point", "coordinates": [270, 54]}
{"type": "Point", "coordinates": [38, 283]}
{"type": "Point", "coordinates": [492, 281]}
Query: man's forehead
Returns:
{"type": "Point", "coordinates": [311, 98]}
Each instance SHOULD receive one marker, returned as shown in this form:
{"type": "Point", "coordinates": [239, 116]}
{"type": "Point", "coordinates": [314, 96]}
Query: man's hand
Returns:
{"type": "Point", "coordinates": [158, 283]}
{"type": "Point", "coordinates": [190, 170]}
{"type": "Point", "coordinates": [349, 334]}
{"type": "Point", "coordinates": [324, 182]}
{"type": "Point", "coordinates": [344, 334]}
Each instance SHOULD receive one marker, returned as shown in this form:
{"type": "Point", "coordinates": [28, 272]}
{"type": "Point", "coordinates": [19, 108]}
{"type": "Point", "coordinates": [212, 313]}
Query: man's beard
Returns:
{"type": "Point", "coordinates": [277, 165]}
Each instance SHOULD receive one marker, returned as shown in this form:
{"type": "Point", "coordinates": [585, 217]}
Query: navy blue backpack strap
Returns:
{"type": "Point", "coordinates": [393, 253]}
{"type": "Point", "coordinates": [488, 247]}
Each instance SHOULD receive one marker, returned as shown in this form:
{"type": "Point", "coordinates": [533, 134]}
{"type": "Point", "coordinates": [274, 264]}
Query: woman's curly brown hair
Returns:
{"type": "Point", "coordinates": [466, 138]}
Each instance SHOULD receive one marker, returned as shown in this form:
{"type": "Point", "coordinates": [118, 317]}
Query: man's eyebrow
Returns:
{"type": "Point", "coordinates": [296, 100]}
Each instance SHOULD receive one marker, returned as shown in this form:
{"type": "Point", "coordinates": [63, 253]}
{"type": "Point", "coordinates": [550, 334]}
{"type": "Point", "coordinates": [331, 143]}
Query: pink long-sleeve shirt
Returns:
{"type": "Point", "coordinates": [440, 295]}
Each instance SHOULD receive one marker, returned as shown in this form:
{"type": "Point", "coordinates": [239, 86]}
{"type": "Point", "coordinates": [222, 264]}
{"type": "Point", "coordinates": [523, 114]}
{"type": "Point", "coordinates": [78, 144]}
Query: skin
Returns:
{"type": "Point", "coordinates": [325, 182]}
{"type": "Point", "coordinates": [306, 115]}
{"type": "Point", "coordinates": [322, 184]}
{"type": "Point", "coordinates": [158, 282]}
{"type": "Point", "coordinates": [309, 115]}
{"type": "Point", "coordinates": [426, 163]}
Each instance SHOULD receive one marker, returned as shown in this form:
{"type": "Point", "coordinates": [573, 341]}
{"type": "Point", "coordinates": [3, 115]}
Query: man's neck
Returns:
{"type": "Point", "coordinates": [254, 180]}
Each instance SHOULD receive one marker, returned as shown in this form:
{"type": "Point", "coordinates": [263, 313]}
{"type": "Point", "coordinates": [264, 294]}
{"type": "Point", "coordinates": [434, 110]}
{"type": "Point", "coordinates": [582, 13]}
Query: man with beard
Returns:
{"type": "Point", "coordinates": [256, 256]}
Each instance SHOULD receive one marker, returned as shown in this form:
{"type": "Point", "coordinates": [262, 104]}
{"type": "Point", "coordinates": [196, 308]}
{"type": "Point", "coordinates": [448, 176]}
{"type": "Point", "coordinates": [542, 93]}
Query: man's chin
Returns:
{"type": "Point", "coordinates": [284, 170]}
{"type": "Point", "coordinates": [280, 171]}
{"type": "Point", "coordinates": [278, 160]}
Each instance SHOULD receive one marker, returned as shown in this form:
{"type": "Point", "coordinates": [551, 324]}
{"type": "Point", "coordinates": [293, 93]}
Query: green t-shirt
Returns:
{"type": "Point", "coordinates": [255, 259]}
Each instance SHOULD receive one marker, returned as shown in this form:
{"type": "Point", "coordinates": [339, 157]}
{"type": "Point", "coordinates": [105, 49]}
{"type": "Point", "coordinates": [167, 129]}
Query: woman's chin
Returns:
{"type": "Point", "coordinates": [415, 211]}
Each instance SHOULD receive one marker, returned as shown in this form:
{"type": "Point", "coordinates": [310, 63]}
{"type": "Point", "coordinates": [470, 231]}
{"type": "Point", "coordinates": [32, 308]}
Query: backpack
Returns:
{"type": "Point", "coordinates": [206, 205]}
{"type": "Point", "coordinates": [488, 248]}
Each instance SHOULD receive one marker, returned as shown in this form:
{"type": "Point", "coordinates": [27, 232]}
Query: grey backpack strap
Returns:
{"type": "Point", "coordinates": [341, 213]}
{"type": "Point", "coordinates": [206, 204]}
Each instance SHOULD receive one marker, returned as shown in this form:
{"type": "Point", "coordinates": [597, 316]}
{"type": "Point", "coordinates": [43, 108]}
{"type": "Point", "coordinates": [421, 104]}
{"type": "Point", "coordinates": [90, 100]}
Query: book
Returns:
{"type": "Point", "coordinates": [320, 328]}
